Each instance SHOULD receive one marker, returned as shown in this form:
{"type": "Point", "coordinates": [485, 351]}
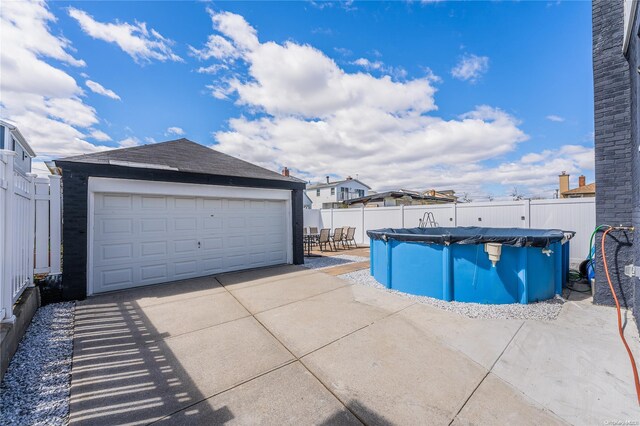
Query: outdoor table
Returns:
{"type": "Point", "coordinates": [309, 239]}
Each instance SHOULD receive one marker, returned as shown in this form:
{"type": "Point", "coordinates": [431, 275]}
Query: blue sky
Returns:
{"type": "Point", "coordinates": [480, 97]}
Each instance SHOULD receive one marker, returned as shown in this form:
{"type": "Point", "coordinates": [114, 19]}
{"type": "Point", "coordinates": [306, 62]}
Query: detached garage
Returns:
{"type": "Point", "coordinates": [171, 211]}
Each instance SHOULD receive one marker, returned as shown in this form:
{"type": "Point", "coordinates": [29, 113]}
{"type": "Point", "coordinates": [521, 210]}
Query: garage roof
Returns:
{"type": "Point", "coordinates": [181, 155]}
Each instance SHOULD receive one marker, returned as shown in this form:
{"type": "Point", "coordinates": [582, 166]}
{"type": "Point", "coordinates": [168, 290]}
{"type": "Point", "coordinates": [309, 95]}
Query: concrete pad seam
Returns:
{"type": "Point", "coordinates": [164, 339]}
{"type": "Point", "coordinates": [269, 371]}
{"type": "Point", "coordinates": [300, 361]}
{"type": "Point", "coordinates": [270, 280]}
{"type": "Point", "coordinates": [111, 293]}
{"type": "Point", "coordinates": [486, 374]}
{"type": "Point", "coordinates": [295, 301]}
{"type": "Point", "coordinates": [355, 331]}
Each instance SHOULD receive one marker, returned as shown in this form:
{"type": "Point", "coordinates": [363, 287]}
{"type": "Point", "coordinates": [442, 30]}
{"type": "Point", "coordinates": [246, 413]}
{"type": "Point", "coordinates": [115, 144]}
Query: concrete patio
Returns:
{"type": "Point", "coordinates": [288, 345]}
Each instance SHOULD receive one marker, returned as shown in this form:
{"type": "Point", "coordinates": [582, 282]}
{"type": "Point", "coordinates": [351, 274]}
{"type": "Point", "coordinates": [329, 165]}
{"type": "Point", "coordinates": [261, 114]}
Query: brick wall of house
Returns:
{"type": "Point", "coordinates": [614, 150]}
{"type": "Point", "coordinates": [633, 58]}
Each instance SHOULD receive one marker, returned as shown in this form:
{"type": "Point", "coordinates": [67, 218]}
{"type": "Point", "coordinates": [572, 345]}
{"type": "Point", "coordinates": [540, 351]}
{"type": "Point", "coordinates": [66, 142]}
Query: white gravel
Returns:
{"type": "Point", "coordinates": [547, 310]}
{"type": "Point", "coordinates": [329, 261]}
{"type": "Point", "coordinates": [35, 388]}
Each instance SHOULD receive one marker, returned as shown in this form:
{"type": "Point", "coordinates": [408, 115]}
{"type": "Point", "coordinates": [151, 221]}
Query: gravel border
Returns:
{"type": "Point", "coordinates": [546, 310]}
{"type": "Point", "coordinates": [35, 388]}
{"type": "Point", "coordinates": [329, 261]}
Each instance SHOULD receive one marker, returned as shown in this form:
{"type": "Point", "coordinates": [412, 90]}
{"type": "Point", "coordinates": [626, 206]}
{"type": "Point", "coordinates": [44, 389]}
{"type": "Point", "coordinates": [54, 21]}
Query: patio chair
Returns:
{"type": "Point", "coordinates": [325, 239]}
{"type": "Point", "coordinates": [314, 232]}
{"type": "Point", "coordinates": [350, 237]}
{"type": "Point", "coordinates": [305, 231]}
{"type": "Point", "coordinates": [337, 238]}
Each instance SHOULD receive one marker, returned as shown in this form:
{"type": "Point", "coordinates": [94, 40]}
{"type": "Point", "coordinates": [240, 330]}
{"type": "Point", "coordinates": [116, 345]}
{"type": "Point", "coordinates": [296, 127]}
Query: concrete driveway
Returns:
{"type": "Point", "coordinates": [287, 345]}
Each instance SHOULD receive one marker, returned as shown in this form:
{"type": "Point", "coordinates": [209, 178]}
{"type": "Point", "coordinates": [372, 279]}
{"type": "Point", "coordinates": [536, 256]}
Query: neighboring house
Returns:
{"type": "Point", "coordinates": [583, 190]}
{"type": "Point", "coordinates": [331, 194]}
{"type": "Point", "coordinates": [616, 78]}
{"type": "Point", "coordinates": [306, 202]}
{"type": "Point", "coordinates": [170, 211]}
{"type": "Point", "coordinates": [401, 197]}
{"type": "Point", "coordinates": [12, 140]}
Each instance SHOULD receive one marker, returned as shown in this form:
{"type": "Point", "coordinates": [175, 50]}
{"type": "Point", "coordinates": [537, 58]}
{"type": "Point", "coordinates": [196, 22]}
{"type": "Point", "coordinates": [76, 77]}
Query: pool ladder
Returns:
{"type": "Point", "coordinates": [427, 221]}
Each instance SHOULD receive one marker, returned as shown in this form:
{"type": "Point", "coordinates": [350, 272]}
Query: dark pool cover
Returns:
{"type": "Point", "coordinates": [516, 237]}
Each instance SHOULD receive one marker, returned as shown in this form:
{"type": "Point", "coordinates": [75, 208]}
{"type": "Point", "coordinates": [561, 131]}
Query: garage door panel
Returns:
{"type": "Point", "coordinates": [154, 272]}
{"type": "Point", "coordinates": [117, 251]}
{"type": "Point", "coordinates": [151, 202]}
{"type": "Point", "coordinates": [214, 243]}
{"type": "Point", "coordinates": [185, 224]}
{"type": "Point", "coordinates": [114, 279]}
{"type": "Point", "coordinates": [212, 204]}
{"type": "Point", "coordinates": [116, 202]}
{"type": "Point", "coordinates": [185, 268]}
{"type": "Point", "coordinates": [236, 204]}
{"type": "Point", "coordinates": [185, 203]}
{"type": "Point", "coordinates": [185, 246]}
{"type": "Point", "coordinates": [212, 223]}
{"type": "Point", "coordinates": [109, 227]}
{"type": "Point", "coordinates": [236, 241]}
{"type": "Point", "coordinates": [153, 224]}
{"type": "Point", "coordinates": [153, 248]}
{"type": "Point", "coordinates": [212, 265]}
{"type": "Point", "coordinates": [142, 240]}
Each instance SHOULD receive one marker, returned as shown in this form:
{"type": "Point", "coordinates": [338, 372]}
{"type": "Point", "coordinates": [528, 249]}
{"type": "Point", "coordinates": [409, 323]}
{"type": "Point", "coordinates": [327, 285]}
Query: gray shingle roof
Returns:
{"type": "Point", "coordinates": [182, 155]}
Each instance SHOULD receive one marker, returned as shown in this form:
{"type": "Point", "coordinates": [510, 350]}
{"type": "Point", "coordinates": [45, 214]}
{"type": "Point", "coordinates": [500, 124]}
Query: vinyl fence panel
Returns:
{"type": "Point", "coordinates": [567, 214]}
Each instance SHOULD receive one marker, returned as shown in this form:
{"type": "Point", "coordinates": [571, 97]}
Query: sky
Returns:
{"type": "Point", "coordinates": [485, 98]}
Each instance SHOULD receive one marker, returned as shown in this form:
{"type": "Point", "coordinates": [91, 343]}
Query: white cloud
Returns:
{"type": "Point", "coordinates": [380, 66]}
{"type": "Point", "coordinates": [129, 142]}
{"type": "Point", "coordinates": [101, 90]}
{"type": "Point", "coordinates": [343, 51]}
{"type": "Point", "coordinates": [555, 118]}
{"type": "Point", "coordinates": [212, 69]}
{"type": "Point", "coordinates": [175, 131]}
{"type": "Point", "coordinates": [139, 42]}
{"type": "Point", "coordinates": [304, 111]}
{"type": "Point", "coordinates": [470, 67]}
{"type": "Point", "coordinates": [217, 47]}
{"type": "Point", "coordinates": [99, 135]}
{"type": "Point", "coordinates": [43, 100]}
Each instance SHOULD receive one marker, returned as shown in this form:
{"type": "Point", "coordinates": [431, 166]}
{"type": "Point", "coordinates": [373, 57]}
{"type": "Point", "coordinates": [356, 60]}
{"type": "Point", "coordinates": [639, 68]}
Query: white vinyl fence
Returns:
{"type": "Point", "coordinates": [569, 214]}
{"type": "Point", "coordinates": [29, 225]}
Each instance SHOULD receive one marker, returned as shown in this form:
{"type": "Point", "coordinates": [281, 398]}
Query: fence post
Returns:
{"type": "Point", "coordinates": [402, 215]}
{"type": "Point", "coordinates": [55, 221]}
{"type": "Point", "coordinates": [42, 225]}
{"type": "Point", "coordinates": [6, 284]}
{"type": "Point", "coordinates": [527, 214]}
{"type": "Point", "coordinates": [32, 226]}
{"type": "Point", "coordinates": [455, 215]}
{"type": "Point", "coordinates": [364, 233]}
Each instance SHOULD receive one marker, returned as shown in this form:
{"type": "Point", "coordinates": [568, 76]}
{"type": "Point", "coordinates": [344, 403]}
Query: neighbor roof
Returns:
{"type": "Point", "coordinates": [586, 189]}
{"type": "Point", "coordinates": [338, 182]}
{"type": "Point", "coordinates": [180, 155]}
{"type": "Point", "coordinates": [396, 194]}
{"type": "Point", "coordinates": [15, 132]}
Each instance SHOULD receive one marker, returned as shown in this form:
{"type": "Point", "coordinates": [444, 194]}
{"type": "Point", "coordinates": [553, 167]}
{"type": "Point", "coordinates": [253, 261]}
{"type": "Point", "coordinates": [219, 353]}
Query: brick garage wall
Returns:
{"type": "Point", "coordinates": [614, 150]}
{"type": "Point", "coordinates": [633, 57]}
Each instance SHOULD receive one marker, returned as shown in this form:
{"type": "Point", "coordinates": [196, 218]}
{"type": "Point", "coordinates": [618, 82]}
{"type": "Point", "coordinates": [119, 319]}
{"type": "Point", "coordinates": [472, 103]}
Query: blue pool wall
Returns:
{"type": "Point", "coordinates": [464, 273]}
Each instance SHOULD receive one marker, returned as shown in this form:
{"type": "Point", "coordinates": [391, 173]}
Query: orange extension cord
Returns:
{"type": "Point", "coordinates": [620, 330]}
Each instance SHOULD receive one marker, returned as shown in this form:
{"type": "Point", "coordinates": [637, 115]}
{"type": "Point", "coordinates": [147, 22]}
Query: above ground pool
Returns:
{"type": "Point", "coordinates": [470, 264]}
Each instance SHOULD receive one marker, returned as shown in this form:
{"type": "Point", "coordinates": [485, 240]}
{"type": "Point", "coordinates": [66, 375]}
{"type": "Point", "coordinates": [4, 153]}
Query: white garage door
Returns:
{"type": "Point", "coordinates": [148, 239]}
